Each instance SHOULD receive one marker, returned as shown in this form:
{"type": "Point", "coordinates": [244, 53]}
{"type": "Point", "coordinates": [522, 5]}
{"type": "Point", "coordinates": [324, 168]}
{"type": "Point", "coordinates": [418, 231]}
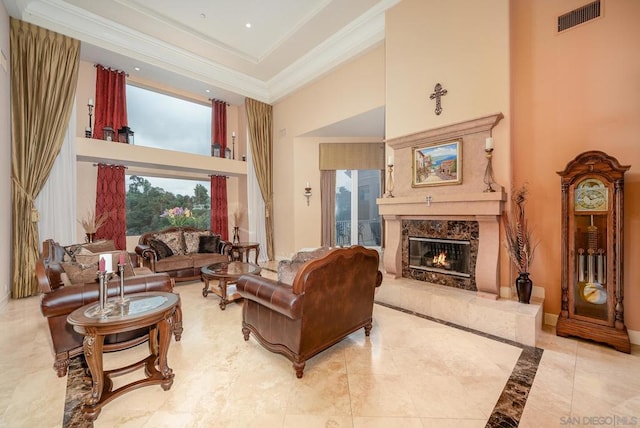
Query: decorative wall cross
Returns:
{"type": "Point", "coordinates": [437, 94]}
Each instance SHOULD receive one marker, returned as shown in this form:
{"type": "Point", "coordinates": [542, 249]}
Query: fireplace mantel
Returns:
{"type": "Point", "coordinates": [447, 204]}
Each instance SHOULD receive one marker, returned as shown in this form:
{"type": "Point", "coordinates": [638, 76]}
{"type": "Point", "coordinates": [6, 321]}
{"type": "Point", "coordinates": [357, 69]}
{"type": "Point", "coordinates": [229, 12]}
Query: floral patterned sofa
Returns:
{"type": "Point", "coordinates": [182, 251]}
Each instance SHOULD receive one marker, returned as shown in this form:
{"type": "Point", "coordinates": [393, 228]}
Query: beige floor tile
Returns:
{"type": "Point", "coordinates": [410, 372]}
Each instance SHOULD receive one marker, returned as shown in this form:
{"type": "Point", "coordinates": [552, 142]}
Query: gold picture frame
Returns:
{"type": "Point", "coordinates": [437, 164]}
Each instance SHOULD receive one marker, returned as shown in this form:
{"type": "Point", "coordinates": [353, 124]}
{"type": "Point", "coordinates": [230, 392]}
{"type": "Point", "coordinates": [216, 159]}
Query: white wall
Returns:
{"type": "Point", "coordinates": [5, 158]}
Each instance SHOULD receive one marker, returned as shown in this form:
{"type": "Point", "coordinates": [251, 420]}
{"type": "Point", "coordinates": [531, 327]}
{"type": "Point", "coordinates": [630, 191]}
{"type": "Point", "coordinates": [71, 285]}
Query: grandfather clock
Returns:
{"type": "Point", "coordinates": [592, 250]}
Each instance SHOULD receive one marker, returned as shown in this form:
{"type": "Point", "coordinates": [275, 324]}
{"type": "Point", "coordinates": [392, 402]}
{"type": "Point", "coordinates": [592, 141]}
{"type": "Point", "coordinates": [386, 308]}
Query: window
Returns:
{"type": "Point", "coordinates": [357, 217]}
{"type": "Point", "coordinates": [167, 122]}
{"type": "Point", "coordinates": [152, 202]}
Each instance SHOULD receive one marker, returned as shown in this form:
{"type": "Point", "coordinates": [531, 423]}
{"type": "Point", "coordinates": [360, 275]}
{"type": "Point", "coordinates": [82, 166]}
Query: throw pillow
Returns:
{"type": "Point", "coordinates": [87, 258]}
{"type": "Point", "coordinates": [162, 250]}
{"type": "Point", "coordinates": [79, 273]}
{"type": "Point", "coordinates": [173, 240]}
{"type": "Point", "coordinates": [192, 240]}
{"type": "Point", "coordinates": [209, 244]}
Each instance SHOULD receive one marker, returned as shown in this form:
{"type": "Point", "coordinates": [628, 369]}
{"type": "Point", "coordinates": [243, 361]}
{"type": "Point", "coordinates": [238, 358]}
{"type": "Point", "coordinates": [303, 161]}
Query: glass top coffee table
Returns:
{"type": "Point", "coordinates": [226, 273]}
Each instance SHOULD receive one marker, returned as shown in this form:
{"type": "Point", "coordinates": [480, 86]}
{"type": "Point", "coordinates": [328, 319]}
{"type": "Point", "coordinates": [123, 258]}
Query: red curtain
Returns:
{"type": "Point", "coordinates": [219, 215]}
{"type": "Point", "coordinates": [110, 197]}
{"type": "Point", "coordinates": [111, 100]}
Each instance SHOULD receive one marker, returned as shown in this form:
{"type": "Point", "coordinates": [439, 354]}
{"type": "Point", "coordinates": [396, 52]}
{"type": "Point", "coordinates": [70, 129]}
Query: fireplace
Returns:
{"type": "Point", "coordinates": [464, 211]}
{"type": "Point", "coordinates": [440, 251]}
{"type": "Point", "coordinates": [446, 256]}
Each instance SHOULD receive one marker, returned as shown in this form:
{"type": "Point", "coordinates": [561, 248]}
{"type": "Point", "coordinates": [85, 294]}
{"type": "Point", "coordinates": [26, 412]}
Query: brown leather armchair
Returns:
{"type": "Point", "coordinates": [330, 298]}
{"type": "Point", "coordinates": [57, 301]}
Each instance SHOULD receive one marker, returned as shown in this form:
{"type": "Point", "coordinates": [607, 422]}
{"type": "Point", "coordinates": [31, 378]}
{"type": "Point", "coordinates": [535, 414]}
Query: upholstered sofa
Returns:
{"type": "Point", "coordinates": [182, 251]}
{"type": "Point", "coordinates": [60, 296]}
{"type": "Point", "coordinates": [331, 296]}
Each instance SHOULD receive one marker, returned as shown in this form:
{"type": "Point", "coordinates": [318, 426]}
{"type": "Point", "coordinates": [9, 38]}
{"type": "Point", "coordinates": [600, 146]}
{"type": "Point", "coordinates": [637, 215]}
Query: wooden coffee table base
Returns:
{"type": "Point", "coordinates": [155, 310]}
{"type": "Point", "coordinates": [102, 386]}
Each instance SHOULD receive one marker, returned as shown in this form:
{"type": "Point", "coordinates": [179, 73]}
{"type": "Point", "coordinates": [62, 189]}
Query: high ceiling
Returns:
{"type": "Point", "coordinates": [200, 45]}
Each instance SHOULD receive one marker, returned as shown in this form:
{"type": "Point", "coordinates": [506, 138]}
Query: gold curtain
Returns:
{"type": "Point", "coordinates": [336, 156]}
{"type": "Point", "coordinates": [260, 121]}
{"type": "Point", "coordinates": [328, 207]}
{"type": "Point", "coordinates": [44, 74]}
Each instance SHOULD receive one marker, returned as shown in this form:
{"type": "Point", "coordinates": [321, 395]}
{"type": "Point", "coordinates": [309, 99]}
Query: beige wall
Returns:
{"type": "Point", "coordinates": [574, 92]}
{"type": "Point", "coordinates": [5, 160]}
{"type": "Point", "coordinates": [354, 88]}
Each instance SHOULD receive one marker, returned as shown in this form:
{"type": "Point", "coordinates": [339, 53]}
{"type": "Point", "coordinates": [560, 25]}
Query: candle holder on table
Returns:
{"type": "Point", "coordinates": [121, 300]}
{"type": "Point", "coordinates": [104, 308]}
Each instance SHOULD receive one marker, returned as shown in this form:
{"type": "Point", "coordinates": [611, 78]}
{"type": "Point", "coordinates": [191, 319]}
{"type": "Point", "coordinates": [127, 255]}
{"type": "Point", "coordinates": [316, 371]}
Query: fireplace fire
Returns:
{"type": "Point", "coordinates": [446, 256]}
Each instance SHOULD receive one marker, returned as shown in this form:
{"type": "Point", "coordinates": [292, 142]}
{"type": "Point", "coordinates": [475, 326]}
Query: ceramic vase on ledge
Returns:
{"type": "Point", "coordinates": [236, 234]}
{"type": "Point", "coordinates": [523, 287]}
{"type": "Point", "coordinates": [90, 237]}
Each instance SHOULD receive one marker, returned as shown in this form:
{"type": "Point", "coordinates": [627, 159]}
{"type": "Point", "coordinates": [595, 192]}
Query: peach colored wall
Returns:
{"type": "Point", "coordinates": [460, 44]}
{"type": "Point", "coordinates": [354, 88]}
{"type": "Point", "coordinates": [5, 160]}
{"type": "Point", "coordinates": [464, 46]}
{"type": "Point", "coordinates": [573, 92]}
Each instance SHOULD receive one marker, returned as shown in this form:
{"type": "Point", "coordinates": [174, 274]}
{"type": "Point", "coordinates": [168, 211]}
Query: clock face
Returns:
{"type": "Point", "coordinates": [591, 195]}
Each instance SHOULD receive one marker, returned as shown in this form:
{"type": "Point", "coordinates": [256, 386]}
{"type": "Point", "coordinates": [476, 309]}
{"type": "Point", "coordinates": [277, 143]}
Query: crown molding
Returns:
{"type": "Point", "coordinates": [60, 16]}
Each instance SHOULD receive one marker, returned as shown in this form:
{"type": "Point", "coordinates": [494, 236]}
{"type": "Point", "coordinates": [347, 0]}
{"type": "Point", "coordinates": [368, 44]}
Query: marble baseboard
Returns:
{"type": "Point", "coordinates": [503, 318]}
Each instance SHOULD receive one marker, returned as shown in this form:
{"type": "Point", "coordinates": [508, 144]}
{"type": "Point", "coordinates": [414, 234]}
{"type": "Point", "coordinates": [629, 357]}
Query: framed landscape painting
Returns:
{"type": "Point", "coordinates": [437, 164]}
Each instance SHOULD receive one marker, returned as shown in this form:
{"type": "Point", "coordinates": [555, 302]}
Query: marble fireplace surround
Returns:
{"type": "Point", "coordinates": [464, 202]}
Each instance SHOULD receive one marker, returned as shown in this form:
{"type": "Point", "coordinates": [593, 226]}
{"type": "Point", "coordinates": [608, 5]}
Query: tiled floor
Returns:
{"type": "Point", "coordinates": [411, 372]}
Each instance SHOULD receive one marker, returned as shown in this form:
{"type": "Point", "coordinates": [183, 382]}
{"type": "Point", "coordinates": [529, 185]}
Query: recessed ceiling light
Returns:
{"type": "Point", "coordinates": [248, 25]}
{"type": "Point", "coordinates": [207, 91]}
{"type": "Point", "coordinates": [136, 68]}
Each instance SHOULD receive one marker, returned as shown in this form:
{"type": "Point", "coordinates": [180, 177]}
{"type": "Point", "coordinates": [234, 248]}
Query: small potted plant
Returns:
{"type": "Point", "coordinates": [91, 223]}
{"type": "Point", "coordinates": [519, 242]}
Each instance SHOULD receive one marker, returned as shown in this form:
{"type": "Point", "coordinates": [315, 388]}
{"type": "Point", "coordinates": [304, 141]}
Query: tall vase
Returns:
{"type": "Point", "coordinates": [89, 237]}
{"type": "Point", "coordinates": [523, 287]}
{"type": "Point", "coordinates": [236, 234]}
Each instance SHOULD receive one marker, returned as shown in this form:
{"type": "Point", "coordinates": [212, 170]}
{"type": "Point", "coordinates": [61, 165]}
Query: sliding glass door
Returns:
{"type": "Point", "coordinates": [357, 217]}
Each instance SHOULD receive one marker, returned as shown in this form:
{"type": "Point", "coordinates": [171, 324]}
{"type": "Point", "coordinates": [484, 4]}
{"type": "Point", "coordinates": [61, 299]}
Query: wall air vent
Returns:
{"type": "Point", "coordinates": [579, 16]}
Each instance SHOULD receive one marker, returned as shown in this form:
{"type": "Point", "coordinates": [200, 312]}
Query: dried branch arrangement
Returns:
{"type": "Point", "coordinates": [90, 223]}
{"type": "Point", "coordinates": [518, 237]}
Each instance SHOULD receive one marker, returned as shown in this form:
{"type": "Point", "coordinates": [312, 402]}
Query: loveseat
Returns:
{"type": "Point", "coordinates": [60, 296]}
{"type": "Point", "coordinates": [182, 251]}
{"type": "Point", "coordinates": [331, 296]}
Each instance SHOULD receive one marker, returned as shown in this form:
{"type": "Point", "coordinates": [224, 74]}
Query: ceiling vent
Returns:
{"type": "Point", "coordinates": [579, 16]}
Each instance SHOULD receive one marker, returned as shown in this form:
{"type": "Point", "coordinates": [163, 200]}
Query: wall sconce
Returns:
{"type": "Point", "coordinates": [307, 192]}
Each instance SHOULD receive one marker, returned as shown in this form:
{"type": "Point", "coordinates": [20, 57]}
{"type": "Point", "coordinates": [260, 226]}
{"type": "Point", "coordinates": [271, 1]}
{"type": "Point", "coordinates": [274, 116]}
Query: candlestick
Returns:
{"type": "Point", "coordinates": [488, 172]}
{"type": "Point", "coordinates": [89, 132]}
{"type": "Point", "coordinates": [102, 309]}
{"type": "Point", "coordinates": [390, 161]}
{"type": "Point", "coordinates": [233, 142]}
{"type": "Point", "coordinates": [122, 300]}
{"type": "Point", "coordinates": [389, 193]}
